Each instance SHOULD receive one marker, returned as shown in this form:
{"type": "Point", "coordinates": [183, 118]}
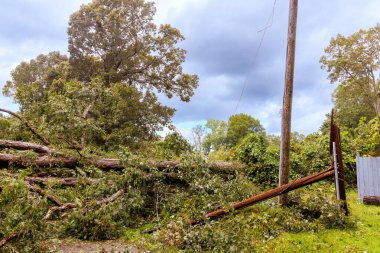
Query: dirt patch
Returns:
{"type": "Point", "coordinates": [78, 246]}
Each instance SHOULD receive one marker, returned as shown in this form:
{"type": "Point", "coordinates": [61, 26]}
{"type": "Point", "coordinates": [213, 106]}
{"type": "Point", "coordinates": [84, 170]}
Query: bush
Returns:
{"type": "Point", "coordinates": [21, 212]}
{"type": "Point", "coordinates": [261, 159]}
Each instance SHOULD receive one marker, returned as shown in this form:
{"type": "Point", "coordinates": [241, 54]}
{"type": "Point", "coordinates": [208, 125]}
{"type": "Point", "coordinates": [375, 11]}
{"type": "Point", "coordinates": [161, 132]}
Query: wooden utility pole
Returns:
{"type": "Point", "coordinates": [287, 102]}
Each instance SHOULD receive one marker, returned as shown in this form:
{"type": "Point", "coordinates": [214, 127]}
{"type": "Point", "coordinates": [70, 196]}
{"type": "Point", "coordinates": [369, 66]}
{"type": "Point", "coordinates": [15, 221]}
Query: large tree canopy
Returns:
{"type": "Point", "coordinates": [104, 91]}
{"type": "Point", "coordinates": [354, 62]}
{"type": "Point", "coordinates": [122, 37]}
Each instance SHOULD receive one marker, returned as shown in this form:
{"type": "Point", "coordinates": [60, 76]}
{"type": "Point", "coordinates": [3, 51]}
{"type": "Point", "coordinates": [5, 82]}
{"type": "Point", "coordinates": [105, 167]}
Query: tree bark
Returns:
{"type": "Point", "coordinates": [51, 158]}
{"type": "Point", "coordinates": [20, 145]}
{"type": "Point", "coordinates": [115, 196]}
{"type": "Point", "coordinates": [54, 209]}
{"type": "Point", "coordinates": [8, 160]}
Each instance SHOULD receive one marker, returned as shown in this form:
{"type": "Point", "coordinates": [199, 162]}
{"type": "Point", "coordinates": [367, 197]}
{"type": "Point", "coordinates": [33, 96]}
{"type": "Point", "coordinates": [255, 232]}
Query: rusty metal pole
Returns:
{"type": "Point", "coordinates": [287, 102]}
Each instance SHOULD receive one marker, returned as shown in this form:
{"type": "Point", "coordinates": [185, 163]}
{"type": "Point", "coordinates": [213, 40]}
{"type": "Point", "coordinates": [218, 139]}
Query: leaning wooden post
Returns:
{"type": "Point", "coordinates": [336, 152]}
{"type": "Point", "coordinates": [342, 189]}
{"type": "Point", "coordinates": [287, 102]}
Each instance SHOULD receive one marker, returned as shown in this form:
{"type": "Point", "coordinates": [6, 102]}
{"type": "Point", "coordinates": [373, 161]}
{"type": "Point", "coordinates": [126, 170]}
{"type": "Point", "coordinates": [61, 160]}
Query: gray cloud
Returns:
{"type": "Point", "coordinates": [221, 39]}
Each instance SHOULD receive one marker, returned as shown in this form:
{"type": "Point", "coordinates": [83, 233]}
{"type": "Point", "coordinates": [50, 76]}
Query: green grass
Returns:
{"type": "Point", "coordinates": [363, 237]}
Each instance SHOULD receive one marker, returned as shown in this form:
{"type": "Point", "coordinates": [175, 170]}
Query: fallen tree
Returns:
{"type": "Point", "coordinates": [20, 145]}
{"type": "Point", "coordinates": [49, 157]}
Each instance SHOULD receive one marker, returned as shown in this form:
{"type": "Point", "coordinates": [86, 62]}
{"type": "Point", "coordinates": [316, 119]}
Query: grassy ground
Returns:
{"type": "Point", "coordinates": [364, 237]}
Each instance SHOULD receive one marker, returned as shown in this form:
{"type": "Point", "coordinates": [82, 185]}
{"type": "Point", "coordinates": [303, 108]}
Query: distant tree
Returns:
{"type": "Point", "coordinates": [353, 62]}
{"type": "Point", "coordinates": [173, 146]}
{"type": "Point", "coordinates": [216, 136]}
{"type": "Point", "coordinates": [104, 92]}
{"type": "Point", "coordinates": [367, 141]}
{"type": "Point", "coordinates": [351, 105]}
{"type": "Point", "coordinates": [229, 134]}
{"type": "Point", "coordinates": [239, 126]}
{"type": "Point", "coordinates": [198, 133]}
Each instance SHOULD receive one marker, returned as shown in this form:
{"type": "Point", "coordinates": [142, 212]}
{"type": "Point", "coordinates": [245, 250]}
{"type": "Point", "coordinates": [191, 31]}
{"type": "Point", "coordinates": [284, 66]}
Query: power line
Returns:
{"type": "Point", "coordinates": [263, 31]}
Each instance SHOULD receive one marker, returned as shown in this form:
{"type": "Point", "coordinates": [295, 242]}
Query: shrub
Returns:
{"type": "Point", "coordinates": [21, 213]}
{"type": "Point", "coordinates": [261, 159]}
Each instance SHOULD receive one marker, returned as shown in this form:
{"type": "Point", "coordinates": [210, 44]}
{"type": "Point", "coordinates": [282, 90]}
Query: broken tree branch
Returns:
{"type": "Point", "coordinates": [41, 192]}
{"type": "Point", "coordinates": [68, 181]}
{"type": "Point", "coordinates": [54, 209]}
{"type": "Point", "coordinates": [44, 141]}
{"type": "Point", "coordinates": [67, 206]}
{"type": "Point", "coordinates": [20, 145]}
{"type": "Point", "coordinates": [111, 199]}
{"type": "Point", "coordinates": [7, 160]}
{"type": "Point", "coordinates": [70, 161]}
{"type": "Point", "coordinates": [7, 239]}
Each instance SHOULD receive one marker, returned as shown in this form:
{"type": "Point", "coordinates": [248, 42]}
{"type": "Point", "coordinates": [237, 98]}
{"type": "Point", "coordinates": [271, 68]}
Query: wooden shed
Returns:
{"type": "Point", "coordinates": [368, 176]}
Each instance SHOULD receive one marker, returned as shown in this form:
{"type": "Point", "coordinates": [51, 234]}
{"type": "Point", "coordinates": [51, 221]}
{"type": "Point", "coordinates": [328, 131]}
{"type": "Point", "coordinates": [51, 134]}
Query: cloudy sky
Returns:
{"type": "Point", "coordinates": [222, 41]}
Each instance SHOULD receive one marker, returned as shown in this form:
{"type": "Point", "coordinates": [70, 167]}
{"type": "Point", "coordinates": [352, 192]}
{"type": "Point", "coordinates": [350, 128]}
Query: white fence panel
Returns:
{"type": "Point", "coordinates": [368, 176]}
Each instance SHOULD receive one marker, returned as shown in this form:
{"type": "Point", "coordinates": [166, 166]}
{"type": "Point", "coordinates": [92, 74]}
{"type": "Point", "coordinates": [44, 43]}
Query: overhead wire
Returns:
{"type": "Point", "coordinates": [263, 31]}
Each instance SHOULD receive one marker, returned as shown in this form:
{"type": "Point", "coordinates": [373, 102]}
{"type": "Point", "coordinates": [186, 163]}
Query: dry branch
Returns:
{"type": "Point", "coordinates": [7, 239]}
{"type": "Point", "coordinates": [41, 192]}
{"type": "Point", "coordinates": [54, 209]}
{"type": "Point", "coordinates": [112, 198]}
{"type": "Point", "coordinates": [66, 206]}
